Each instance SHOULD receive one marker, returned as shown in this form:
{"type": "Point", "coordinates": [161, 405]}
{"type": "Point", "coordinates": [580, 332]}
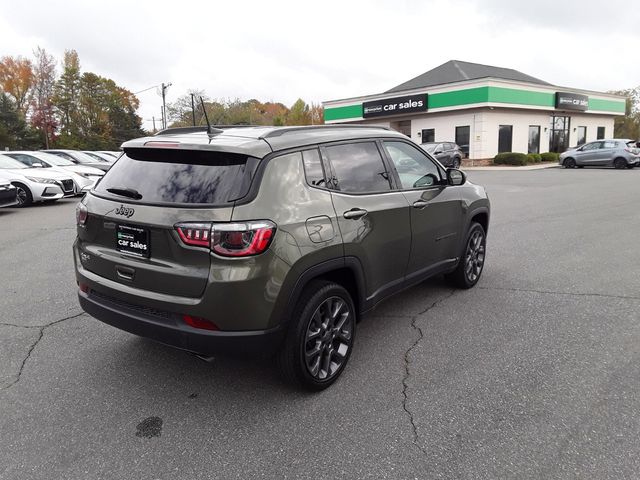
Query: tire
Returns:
{"type": "Point", "coordinates": [314, 328]}
{"type": "Point", "coordinates": [569, 163]}
{"type": "Point", "coordinates": [620, 163]}
{"type": "Point", "coordinates": [24, 195]}
{"type": "Point", "coordinates": [456, 163]}
{"type": "Point", "coordinates": [630, 166]}
{"type": "Point", "coordinates": [471, 263]}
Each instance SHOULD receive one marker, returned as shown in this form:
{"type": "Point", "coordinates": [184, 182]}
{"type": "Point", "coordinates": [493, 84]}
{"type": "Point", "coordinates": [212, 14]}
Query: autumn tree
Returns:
{"type": "Point", "coordinates": [299, 114]}
{"type": "Point", "coordinates": [317, 114]}
{"type": "Point", "coordinates": [67, 97]}
{"type": "Point", "coordinates": [42, 114]}
{"type": "Point", "coordinates": [16, 79]}
{"type": "Point", "coordinates": [628, 126]}
{"type": "Point", "coordinates": [14, 130]}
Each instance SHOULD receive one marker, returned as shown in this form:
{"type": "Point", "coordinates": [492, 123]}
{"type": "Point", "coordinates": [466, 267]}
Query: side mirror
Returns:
{"type": "Point", "coordinates": [455, 177]}
{"type": "Point", "coordinates": [37, 165]}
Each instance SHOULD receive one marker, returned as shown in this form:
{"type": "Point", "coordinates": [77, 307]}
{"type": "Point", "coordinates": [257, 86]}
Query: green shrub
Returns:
{"type": "Point", "coordinates": [550, 157]}
{"type": "Point", "coordinates": [537, 157]}
{"type": "Point", "coordinates": [531, 158]}
{"type": "Point", "coordinates": [511, 158]}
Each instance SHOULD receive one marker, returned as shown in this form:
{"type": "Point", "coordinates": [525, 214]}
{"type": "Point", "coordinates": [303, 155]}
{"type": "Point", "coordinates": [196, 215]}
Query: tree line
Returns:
{"type": "Point", "coordinates": [628, 126]}
{"type": "Point", "coordinates": [75, 109]}
{"type": "Point", "coordinates": [188, 110]}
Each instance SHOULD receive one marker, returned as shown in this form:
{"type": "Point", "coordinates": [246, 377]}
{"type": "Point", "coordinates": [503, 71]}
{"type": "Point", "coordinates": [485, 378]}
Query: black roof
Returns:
{"type": "Point", "coordinates": [457, 71]}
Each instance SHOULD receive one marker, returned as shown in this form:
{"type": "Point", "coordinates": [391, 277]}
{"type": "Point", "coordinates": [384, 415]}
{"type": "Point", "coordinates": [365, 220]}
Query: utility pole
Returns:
{"type": "Point", "coordinates": [154, 124]}
{"type": "Point", "coordinates": [193, 111]}
{"type": "Point", "coordinates": [164, 106]}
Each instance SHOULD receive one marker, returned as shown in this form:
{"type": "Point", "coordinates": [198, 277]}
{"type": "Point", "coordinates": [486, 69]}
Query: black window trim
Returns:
{"type": "Point", "coordinates": [323, 165]}
{"type": "Point", "coordinates": [396, 177]}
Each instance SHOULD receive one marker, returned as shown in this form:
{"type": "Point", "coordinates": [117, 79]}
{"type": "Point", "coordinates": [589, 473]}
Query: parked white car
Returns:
{"type": "Point", "coordinates": [8, 193]}
{"type": "Point", "coordinates": [83, 176]}
{"type": "Point", "coordinates": [100, 156]}
{"type": "Point", "coordinates": [81, 158]}
{"type": "Point", "coordinates": [36, 184]}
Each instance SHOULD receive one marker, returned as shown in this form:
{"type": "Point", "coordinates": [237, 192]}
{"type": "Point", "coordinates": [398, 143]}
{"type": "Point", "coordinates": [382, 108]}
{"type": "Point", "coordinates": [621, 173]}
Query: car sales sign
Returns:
{"type": "Point", "coordinates": [395, 106]}
{"type": "Point", "coordinates": [572, 101]}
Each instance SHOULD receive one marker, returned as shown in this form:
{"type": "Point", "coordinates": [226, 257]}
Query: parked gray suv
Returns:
{"type": "Point", "coordinates": [271, 240]}
{"type": "Point", "coordinates": [448, 154]}
{"type": "Point", "coordinates": [618, 153]}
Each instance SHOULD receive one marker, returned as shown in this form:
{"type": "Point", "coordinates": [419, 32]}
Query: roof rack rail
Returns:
{"type": "Point", "coordinates": [277, 132]}
{"type": "Point", "coordinates": [199, 128]}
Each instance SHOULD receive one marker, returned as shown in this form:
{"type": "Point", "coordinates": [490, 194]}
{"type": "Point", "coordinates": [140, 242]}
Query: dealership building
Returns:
{"type": "Point", "coordinates": [486, 110]}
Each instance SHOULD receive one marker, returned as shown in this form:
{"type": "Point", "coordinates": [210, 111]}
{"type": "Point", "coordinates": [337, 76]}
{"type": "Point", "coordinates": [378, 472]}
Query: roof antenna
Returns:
{"type": "Point", "coordinates": [206, 117]}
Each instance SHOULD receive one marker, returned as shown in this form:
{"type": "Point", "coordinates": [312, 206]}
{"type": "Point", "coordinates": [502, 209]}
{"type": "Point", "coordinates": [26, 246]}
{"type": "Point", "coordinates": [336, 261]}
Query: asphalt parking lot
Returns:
{"type": "Point", "coordinates": [535, 373]}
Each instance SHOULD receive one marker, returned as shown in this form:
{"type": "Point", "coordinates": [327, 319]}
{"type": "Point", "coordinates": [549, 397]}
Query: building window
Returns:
{"type": "Point", "coordinates": [505, 136]}
{"type": "Point", "coordinates": [429, 135]}
{"type": "Point", "coordinates": [582, 135]}
{"type": "Point", "coordinates": [600, 133]}
{"type": "Point", "coordinates": [462, 139]}
{"type": "Point", "coordinates": [534, 139]}
{"type": "Point", "coordinates": [559, 136]}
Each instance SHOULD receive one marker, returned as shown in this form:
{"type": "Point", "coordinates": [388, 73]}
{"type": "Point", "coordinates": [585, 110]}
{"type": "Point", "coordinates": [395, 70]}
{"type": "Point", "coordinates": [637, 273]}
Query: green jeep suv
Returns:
{"type": "Point", "coordinates": [271, 240]}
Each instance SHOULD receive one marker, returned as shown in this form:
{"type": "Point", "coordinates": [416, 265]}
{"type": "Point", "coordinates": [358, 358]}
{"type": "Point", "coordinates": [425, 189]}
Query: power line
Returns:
{"type": "Point", "coordinates": [155, 86]}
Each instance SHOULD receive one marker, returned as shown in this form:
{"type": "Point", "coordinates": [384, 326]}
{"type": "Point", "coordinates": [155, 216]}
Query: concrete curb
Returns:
{"type": "Point", "coordinates": [503, 168]}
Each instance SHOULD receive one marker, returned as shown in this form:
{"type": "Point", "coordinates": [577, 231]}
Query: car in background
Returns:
{"type": "Point", "coordinates": [35, 184]}
{"type": "Point", "coordinates": [115, 155]}
{"type": "Point", "coordinates": [8, 192]}
{"type": "Point", "coordinates": [81, 158]}
{"type": "Point", "coordinates": [447, 153]}
{"type": "Point", "coordinates": [83, 176]}
{"type": "Point", "coordinates": [615, 152]}
{"type": "Point", "coordinates": [100, 156]}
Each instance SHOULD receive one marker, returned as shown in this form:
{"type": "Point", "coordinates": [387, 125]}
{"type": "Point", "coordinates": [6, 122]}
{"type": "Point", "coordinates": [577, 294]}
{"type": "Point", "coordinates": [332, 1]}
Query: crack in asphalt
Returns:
{"type": "Point", "coordinates": [41, 329]}
{"type": "Point", "coordinates": [550, 292]}
{"type": "Point", "coordinates": [407, 373]}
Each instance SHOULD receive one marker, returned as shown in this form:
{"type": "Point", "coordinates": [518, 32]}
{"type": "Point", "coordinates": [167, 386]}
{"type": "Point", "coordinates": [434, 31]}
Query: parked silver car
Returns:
{"type": "Point", "coordinates": [616, 152]}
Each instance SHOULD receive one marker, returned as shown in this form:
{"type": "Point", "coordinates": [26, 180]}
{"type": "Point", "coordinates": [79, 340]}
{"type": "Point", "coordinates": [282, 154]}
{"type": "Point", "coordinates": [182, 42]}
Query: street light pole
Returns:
{"type": "Point", "coordinates": [164, 106]}
{"type": "Point", "coordinates": [193, 111]}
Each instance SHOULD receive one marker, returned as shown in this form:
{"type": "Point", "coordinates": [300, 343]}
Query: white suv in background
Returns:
{"type": "Point", "coordinates": [36, 184]}
{"type": "Point", "coordinates": [83, 176]}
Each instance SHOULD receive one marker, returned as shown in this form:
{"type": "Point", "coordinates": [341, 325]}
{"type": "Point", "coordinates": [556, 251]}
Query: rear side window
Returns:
{"type": "Point", "coordinates": [180, 176]}
{"type": "Point", "coordinates": [313, 168]}
{"type": "Point", "coordinates": [358, 167]}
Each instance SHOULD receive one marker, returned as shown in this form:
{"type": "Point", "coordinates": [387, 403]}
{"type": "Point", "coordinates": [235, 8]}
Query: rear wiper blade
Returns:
{"type": "Point", "coordinates": [125, 192]}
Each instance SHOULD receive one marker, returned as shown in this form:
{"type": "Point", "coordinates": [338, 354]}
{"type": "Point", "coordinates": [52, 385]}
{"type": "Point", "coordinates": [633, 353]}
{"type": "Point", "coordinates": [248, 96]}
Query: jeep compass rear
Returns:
{"type": "Point", "coordinates": [265, 240]}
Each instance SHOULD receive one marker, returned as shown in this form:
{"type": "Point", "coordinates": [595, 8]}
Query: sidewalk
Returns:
{"type": "Point", "coordinates": [536, 166]}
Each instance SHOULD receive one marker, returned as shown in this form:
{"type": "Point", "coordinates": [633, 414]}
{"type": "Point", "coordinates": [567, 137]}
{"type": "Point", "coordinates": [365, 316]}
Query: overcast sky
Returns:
{"type": "Point", "coordinates": [282, 50]}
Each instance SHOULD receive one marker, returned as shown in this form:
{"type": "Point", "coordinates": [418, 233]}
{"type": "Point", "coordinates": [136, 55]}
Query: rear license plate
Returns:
{"type": "Point", "coordinates": [133, 240]}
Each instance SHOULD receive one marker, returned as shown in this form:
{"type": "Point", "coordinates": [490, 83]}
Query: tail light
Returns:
{"type": "Point", "coordinates": [240, 239]}
{"type": "Point", "coordinates": [81, 215]}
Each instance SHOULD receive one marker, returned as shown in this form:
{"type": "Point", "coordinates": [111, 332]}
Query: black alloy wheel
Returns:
{"type": "Point", "coordinates": [23, 195]}
{"type": "Point", "coordinates": [456, 163]}
{"type": "Point", "coordinates": [620, 163]}
{"type": "Point", "coordinates": [569, 163]}
{"type": "Point", "coordinates": [320, 336]}
{"type": "Point", "coordinates": [471, 263]}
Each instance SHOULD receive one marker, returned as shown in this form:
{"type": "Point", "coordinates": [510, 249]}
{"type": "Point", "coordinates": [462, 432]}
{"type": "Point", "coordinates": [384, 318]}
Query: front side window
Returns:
{"type": "Point", "coordinates": [591, 146]}
{"type": "Point", "coordinates": [414, 168]}
{"type": "Point", "coordinates": [358, 167]}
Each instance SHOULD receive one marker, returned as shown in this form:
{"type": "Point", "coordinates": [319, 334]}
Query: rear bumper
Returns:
{"type": "Point", "coordinates": [170, 330]}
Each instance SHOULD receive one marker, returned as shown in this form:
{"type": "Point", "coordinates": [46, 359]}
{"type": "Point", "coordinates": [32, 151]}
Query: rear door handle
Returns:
{"type": "Point", "coordinates": [354, 213]}
{"type": "Point", "coordinates": [420, 204]}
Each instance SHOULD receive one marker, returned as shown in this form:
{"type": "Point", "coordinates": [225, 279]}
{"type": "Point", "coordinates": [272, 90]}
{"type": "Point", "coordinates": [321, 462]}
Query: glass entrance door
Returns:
{"type": "Point", "coordinates": [559, 138]}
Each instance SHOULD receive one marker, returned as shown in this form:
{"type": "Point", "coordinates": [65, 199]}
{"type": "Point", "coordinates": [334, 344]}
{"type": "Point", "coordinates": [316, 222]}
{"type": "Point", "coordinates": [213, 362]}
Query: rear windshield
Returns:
{"type": "Point", "coordinates": [179, 176]}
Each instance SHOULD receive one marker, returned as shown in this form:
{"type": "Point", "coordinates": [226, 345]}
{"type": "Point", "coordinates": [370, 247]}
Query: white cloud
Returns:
{"type": "Point", "coordinates": [283, 50]}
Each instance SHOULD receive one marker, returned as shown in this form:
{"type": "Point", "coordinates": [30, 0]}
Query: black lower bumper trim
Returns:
{"type": "Point", "coordinates": [260, 343]}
